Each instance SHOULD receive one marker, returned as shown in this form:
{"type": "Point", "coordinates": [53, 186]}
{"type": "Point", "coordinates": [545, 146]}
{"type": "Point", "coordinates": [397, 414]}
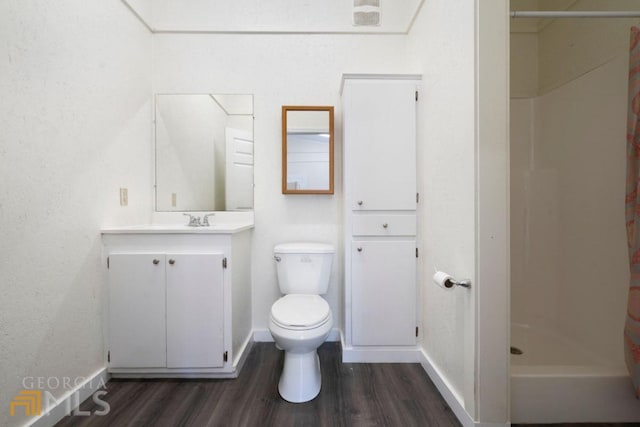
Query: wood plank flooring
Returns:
{"type": "Point", "coordinates": [353, 394]}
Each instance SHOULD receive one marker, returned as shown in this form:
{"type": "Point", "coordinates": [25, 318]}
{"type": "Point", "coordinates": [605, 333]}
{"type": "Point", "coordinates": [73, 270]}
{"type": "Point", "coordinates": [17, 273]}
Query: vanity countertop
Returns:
{"type": "Point", "coordinates": [220, 228]}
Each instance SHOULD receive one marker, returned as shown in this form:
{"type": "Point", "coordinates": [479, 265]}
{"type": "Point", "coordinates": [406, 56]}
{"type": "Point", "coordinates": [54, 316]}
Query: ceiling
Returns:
{"type": "Point", "coordinates": [273, 16]}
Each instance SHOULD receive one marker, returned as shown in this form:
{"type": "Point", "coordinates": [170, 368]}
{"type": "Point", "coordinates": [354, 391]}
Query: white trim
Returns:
{"type": "Point", "coordinates": [380, 355]}
{"type": "Point", "coordinates": [244, 351]}
{"type": "Point", "coordinates": [263, 335]}
{"type": "Point", "coordinates": [71, 399]}
{"type": "Point", "coordinates": [452, 398]}
{"type": "Point", "coordinates": [492, 315]}
{"type": "Point", "coordinates": [349, 76]}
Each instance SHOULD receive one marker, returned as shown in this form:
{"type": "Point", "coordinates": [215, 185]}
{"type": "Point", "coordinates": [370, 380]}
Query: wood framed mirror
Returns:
{"type": "Point", "coordinates": [307, 150]}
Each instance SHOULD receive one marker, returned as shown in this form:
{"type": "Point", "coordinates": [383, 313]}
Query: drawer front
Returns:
{"type": "Point", "coordinates": [384, 225]}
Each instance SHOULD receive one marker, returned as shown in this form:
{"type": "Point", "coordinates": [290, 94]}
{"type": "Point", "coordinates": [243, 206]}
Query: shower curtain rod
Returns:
{"type": "Point", "coordinates": [575, 14]}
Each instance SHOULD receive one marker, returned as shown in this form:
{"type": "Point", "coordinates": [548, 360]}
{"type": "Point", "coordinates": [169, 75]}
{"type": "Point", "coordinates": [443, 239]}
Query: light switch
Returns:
{"type": "Point", "coordinates": [124, 197]}
{"type": "Point", "coordinates": [174, 196]}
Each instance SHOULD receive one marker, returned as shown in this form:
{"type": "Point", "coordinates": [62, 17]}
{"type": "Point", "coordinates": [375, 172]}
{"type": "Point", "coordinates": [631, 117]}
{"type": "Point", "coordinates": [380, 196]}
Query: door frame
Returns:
{"type": "Point", "coordinates": [492, 302]}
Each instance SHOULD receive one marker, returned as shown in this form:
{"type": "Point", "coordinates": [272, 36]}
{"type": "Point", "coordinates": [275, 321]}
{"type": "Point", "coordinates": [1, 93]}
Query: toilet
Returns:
{"type": "Point", "coordinates": [301, 320]}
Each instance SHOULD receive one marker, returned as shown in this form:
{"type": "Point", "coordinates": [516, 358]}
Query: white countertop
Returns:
{"type": "Point", "coordinates": [220, 228]}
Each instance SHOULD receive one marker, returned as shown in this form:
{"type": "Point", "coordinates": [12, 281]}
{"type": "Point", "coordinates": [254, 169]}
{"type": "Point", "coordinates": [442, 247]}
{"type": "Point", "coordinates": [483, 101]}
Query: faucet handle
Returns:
{"type": "Point", "coordinates": [193, 221]}
{"type": "Point", "coordinates": [205, 221]}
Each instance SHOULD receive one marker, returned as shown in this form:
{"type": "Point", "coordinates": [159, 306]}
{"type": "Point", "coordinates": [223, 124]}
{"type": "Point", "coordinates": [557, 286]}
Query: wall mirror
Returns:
{"type": "Point", "coordinates": [307, 150]}
{"type": "Point", "coordinates": [203, 152]}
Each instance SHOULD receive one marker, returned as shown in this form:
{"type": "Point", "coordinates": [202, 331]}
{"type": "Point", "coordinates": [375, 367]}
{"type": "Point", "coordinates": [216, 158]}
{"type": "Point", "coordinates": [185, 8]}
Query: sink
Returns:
{"type": "Point", "coordinates": [215, 228]}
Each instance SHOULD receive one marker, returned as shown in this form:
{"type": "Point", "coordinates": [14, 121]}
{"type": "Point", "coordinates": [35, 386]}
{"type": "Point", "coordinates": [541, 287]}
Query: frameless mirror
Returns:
{"type": "Point", "coordinates": [307, 150]}
{"type": "Point", "coordinates": [204, 152]}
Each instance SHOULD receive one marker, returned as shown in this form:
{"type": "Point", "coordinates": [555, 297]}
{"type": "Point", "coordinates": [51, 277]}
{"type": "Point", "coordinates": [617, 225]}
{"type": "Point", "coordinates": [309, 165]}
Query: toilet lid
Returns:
{"type": "Point", "coordinates": [298, 311]}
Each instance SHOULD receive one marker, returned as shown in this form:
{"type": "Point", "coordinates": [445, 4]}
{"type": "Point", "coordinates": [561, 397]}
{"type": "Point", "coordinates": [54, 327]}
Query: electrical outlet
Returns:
{"type": "Point", "coordinates": [124, 197]}
{"type": "Point", "coordinates": [174, 197]}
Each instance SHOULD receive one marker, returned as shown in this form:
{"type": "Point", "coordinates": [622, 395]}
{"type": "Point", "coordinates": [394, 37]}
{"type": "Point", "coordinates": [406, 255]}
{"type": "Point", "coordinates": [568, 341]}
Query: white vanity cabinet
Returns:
{"type": "Point", "coordinates": [179, 303]}
{"type": "Point", "coordinates": [379, 120]}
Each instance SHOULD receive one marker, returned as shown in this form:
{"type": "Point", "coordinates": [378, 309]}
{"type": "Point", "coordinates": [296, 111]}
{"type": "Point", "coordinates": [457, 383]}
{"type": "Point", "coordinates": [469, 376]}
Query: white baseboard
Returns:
{"type": "Point", "coordinates": [380, 355]}
{"type": "Point", "coordinates": [244, 351]}
{"type": "Point", "coordinates": [456, 403]}
{"type": "Point", "coordinates": [451, 397]}
{"type": "Point", "coordinates": [263, 335]}
{"type": "Point", "coordinates": [68, 403]}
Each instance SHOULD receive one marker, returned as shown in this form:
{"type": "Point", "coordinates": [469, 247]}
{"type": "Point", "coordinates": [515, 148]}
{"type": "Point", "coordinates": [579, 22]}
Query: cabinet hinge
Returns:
{"type": "Point", "coordinates": [416, 252]}
{"type": "Point", "coordinates": [225, 356]}
{"type": "Point", "coordinates": [416, 95]}
{"type": "Point", "coordinates": [416, 331]}
{"type": "Point", "coordinates": [417, 197]}
{"type": "Point", "coordinates": [108, 356]}
{"type": "Point", "coordinates": [107, 262]}
{"type": "Point", "coordinates": [224, 262]}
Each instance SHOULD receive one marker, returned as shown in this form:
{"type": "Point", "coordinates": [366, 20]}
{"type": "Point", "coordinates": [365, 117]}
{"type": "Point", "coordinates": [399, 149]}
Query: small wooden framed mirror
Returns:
{"type": "Point", "coordinates": [307, 150]}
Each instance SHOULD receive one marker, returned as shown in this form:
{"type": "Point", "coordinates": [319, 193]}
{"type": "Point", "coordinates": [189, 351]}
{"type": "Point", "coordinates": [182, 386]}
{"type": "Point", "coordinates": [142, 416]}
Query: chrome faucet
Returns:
{"type": "Point", "coordinates": [194, 221]}
{"type": "Point", "coordinates": [205, 221]}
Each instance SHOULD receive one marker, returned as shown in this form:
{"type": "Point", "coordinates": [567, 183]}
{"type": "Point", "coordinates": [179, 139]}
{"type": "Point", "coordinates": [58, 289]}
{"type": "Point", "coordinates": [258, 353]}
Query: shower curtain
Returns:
{"type": "Point", "coordinates": [632, 212]}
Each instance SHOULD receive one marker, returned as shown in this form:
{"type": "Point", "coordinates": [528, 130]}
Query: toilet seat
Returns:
{"type": "Point", "coordinates": [300, 312]}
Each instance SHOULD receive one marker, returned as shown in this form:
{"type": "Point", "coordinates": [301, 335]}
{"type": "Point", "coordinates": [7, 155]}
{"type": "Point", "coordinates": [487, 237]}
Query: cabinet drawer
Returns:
{"type": "Point", "coordinates": [384, 225]}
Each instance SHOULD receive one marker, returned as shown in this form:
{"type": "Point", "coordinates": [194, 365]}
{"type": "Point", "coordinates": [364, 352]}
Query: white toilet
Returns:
{"type": "Point", "coordinates": [300, 321]}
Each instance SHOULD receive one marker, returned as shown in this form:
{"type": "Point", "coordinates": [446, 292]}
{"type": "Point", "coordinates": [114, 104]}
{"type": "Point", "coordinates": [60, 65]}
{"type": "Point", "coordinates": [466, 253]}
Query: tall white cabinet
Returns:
{"type": "Point", "coordinates": [379, 122]}
{"type": "Point", "coordinates": [179, 301]}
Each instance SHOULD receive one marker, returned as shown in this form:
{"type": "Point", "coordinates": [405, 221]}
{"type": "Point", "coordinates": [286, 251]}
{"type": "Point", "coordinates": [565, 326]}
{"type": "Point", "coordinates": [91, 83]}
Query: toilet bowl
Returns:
{"type": "Point", "coordinates": [300, 380]}
{"type": "Point", "coordinates": [301, 322]}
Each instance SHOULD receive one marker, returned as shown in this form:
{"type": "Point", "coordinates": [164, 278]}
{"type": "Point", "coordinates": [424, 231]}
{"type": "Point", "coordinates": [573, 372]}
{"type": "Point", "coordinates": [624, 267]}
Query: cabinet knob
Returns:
{"type": "Point", "coordinates": [156, 261]}
{"type": "Point", "coordinates": [359, 249]}
{"type": "Point", "coordinates": [359, 202]}
{"type": "Point", "coordinates": [172, 261]}
{"type": "Point", "coordinates": [385, 225]}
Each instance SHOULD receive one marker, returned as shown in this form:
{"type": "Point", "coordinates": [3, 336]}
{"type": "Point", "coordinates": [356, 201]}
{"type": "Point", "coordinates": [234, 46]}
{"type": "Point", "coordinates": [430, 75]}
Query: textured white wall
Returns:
{"type": "Point", "coordinates": [442, 46]}
{"type": "Point", "coordinates": [75, 117]}
{"type": "Point", "coordinates": [279, 70]}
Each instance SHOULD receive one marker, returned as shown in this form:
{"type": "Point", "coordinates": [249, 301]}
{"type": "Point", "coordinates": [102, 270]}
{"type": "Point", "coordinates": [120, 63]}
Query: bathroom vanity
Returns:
{"type": "Point", "coordinates": [179, 300]}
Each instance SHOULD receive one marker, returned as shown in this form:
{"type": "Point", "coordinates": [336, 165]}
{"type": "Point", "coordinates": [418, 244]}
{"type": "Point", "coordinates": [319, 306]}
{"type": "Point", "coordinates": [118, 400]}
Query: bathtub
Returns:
{"type": "Point", "coordinates": [557, 380]}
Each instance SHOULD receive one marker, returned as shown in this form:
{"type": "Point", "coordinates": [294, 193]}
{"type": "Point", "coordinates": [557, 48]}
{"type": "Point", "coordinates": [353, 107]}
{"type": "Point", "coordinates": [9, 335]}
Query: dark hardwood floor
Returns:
{"type": "Point", "coordinates": [353, 394]}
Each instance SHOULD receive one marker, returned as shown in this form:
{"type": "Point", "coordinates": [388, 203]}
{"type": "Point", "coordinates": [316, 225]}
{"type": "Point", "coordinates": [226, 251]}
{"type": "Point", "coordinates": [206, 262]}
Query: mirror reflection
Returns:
{"type": "Point", "coordinates": [307, 150]}
{"type": "Point", "coordinates": [204, 152]}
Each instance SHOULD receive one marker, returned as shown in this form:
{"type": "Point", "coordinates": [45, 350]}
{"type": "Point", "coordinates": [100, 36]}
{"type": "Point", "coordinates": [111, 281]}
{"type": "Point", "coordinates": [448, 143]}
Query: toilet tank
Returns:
{"type": "Point", "coordinates": [303, 268]}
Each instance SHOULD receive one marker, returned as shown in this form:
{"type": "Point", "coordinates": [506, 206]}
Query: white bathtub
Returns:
{"type": "Point", "coordinates": [557, 380]}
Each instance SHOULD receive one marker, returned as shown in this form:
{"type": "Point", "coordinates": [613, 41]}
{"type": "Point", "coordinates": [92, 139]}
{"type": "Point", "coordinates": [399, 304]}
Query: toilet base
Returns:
{"type": "Point", "coordinates": [300, 380]}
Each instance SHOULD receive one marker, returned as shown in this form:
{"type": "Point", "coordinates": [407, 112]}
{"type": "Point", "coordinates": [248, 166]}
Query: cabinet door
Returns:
{"type": "Point", "coordinates": [195, 310]}
{"type": "Point", "coordinates": [136, 310]}
{"type": "Point", "coordinates": [383, 292]}
{"type": "Point", "coordinates": [380, 134]}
